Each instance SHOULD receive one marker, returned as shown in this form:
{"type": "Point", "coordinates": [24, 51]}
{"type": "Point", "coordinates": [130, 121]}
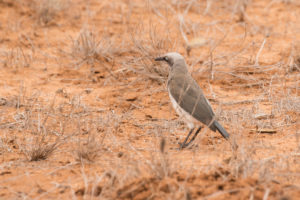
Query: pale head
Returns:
{"type": "Point", "coordinates": [171, 58]}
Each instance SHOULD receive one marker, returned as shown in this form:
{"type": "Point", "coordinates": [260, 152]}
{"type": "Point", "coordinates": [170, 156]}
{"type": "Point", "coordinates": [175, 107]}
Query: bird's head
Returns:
{"type": "Point", "coordinates": [171, 58]}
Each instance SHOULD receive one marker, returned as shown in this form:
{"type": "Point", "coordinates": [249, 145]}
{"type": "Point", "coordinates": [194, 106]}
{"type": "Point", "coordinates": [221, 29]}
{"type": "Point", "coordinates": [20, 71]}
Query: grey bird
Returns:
{"type": "Point", "coordinates": [188, 99]}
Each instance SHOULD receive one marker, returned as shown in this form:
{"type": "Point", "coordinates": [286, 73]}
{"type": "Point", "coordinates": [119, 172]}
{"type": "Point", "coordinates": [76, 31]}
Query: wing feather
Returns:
{"type": "Point", "coordinates": [190, 97]}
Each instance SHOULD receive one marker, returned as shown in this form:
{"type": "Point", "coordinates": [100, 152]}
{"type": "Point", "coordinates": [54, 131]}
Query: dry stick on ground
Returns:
{"type": "Point", "coordinates": [244, 101]}
{"type": "Point", "coordinates": [259, 52]}
{"type": "Point", "coordinates": [245, 78]}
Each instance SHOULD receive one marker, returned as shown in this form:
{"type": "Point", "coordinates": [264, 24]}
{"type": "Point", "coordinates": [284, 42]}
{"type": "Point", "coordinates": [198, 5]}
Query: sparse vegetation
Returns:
{"type": "Point", "coordinates": [94, 112]}
{"type": "Point", "coordinates": [17, 59]}
{"type": "Point", "coordinates": [38, 149]}
{"type": "Point", "coordinates": [88, 150]}
{"type": "Point", "coordinates": [148, 43]}
{"type": "Point", "coordinates": [87, 48]}
{"type": "Point", "coordinates": [46, 11]}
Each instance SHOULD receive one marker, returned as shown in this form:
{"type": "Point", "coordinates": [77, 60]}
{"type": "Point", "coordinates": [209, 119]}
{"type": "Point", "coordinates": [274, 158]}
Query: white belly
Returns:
{"type": "Point", "coordinates": [189, 119]}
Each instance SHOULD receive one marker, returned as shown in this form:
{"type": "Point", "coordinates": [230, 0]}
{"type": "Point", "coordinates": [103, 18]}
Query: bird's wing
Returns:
{"type": "Point", "coordinates": [185, 90]}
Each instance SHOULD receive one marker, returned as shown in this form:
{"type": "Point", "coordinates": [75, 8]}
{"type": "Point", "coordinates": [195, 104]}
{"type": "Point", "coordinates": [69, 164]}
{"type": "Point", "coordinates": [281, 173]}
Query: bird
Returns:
{"type": "Point", "coordinates": [188, 99]}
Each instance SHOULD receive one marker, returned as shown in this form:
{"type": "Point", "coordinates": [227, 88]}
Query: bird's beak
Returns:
{"type": "Point", "coordinates": [159, 59]}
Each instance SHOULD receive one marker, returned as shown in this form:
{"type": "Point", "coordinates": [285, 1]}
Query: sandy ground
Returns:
{"type": "Point", "coordinates": [84, 111]}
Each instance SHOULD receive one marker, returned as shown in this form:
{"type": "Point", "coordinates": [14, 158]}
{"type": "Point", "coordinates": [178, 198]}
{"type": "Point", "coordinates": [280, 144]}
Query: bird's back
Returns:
{"type": "Point", "coordinates": [185, 90]}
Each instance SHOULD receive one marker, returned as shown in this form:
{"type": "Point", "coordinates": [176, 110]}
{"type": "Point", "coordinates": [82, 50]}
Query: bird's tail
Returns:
{"type": "Point", "coordinates": [220, 128]}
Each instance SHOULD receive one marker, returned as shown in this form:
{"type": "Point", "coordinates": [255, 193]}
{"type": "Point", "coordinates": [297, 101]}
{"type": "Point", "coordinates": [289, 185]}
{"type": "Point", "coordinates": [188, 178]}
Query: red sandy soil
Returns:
{"type": "Point", "coordinates": [84, 112]}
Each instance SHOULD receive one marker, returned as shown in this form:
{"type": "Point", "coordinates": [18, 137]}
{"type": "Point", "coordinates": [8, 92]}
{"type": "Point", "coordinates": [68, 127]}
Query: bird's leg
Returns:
{"type": "Point", "coordinates": [193, 138]}
{"type": "Point", "coordinates": [185, 140]}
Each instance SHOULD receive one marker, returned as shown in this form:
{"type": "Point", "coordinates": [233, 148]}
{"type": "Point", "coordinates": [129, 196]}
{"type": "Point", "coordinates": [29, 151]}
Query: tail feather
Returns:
{"type": "Point", "coordinates": [221, 130]}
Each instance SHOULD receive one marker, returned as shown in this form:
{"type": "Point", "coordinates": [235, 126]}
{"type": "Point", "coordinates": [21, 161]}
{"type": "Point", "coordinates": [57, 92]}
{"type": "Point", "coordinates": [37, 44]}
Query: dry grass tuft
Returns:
{"type": "Point", "coordinates": [88, 49]}
{"type": "Point", "coordinates": [38, 148]}
{"type": "Point", "coordinates": [161, 161]}
{"type": "Point", "coordinates": [147, 46]}
{"type": "Point", "coordinates": [47, 10]}
{"type": "Point", "coordinates": [17, 59]}
{"type": "Point", "coordinates": [294, 58]}
{"type": "Point", "coordinates": [87, 150]}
